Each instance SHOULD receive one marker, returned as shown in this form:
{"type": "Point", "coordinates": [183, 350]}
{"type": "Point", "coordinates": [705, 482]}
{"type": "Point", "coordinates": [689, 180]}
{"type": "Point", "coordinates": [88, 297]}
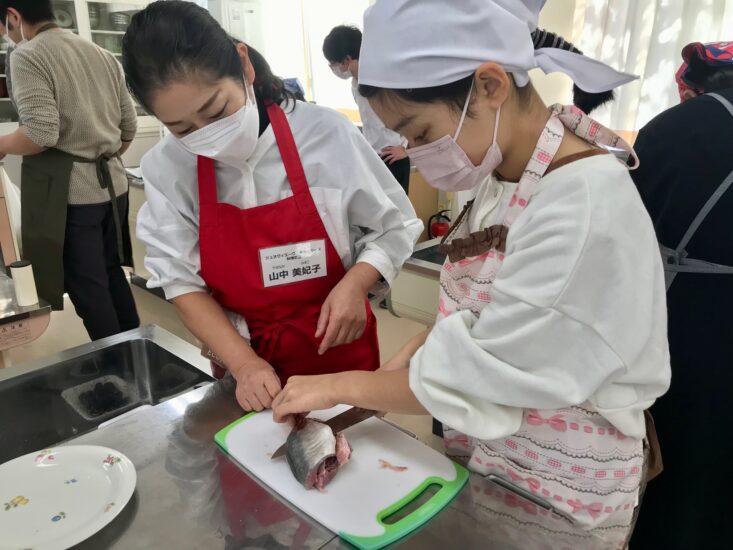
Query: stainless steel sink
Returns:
{"type": "Point", "coordinates": [431, 254]}
{"type": "Point", "coordinates": [76, 391]}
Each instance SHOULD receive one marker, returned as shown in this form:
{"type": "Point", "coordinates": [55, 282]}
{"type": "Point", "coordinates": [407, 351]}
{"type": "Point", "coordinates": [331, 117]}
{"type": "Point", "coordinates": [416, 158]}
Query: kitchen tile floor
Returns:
{"type": "Point", "coordinates": [66, 330]}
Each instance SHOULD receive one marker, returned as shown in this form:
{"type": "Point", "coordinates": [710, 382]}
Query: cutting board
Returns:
{"type": "Point", "coordinates": [364, 502]}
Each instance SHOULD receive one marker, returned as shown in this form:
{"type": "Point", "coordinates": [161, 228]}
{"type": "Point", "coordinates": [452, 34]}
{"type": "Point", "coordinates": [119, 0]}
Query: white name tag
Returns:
{"type": "Point", "coordinates": [293, 263]}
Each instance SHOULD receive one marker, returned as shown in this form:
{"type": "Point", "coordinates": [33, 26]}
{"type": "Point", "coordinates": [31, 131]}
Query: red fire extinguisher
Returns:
{"type": "Point", "coordinates": [438, 224]}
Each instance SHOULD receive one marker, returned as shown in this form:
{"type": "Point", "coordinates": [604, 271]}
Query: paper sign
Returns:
{"type": "Point", "coordinates": [293, 263]}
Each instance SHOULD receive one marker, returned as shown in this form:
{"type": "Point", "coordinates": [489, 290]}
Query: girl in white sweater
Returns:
{"type": "Point", "coordinates": [550, 340]}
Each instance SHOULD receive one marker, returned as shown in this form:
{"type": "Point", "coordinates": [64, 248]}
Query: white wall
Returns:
{"type": "Point", "coordinates": [320, 17]}
{"type": "Point", "coordinates": [282, 38]}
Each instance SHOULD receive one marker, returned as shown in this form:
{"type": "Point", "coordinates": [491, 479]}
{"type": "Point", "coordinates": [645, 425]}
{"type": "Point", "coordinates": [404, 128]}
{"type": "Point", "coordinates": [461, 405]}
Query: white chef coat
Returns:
{"type": "Point", "coordinates": [365, 212]}
{"type": "Point", "coordinates": [578, 312]}
{"type": "Point", "coordinates": [375, 132]}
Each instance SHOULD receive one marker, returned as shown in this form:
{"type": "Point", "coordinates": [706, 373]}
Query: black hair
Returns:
{"type": "Point", "coordinates": [176, 39]}
{"type": "Point", "coordinates": [720, 78]}
{"type": "Point", "coordinates": [454, 93]}
{"type": "Point", "coordinates": [33, 11]}
{"type": "Point", "coordinates": [173, 39]}
{"type": "Point", "coordinates": [268, 86]}
{"type": "Point", "coordinates": [340, 42]}
{"type": "Point", "coordinates": [703, 77]}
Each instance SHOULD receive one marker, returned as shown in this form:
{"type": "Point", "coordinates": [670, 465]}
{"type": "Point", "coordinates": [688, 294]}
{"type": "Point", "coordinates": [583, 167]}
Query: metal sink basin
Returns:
{"type": "Point", "coordinates": [66, 398]}
{"type": "Point", "coordinates": [430, 254]}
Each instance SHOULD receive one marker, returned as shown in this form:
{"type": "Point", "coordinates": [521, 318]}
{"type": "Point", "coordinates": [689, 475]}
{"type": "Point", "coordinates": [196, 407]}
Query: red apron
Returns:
{"type": "Point", "coordinates": [282, 319]}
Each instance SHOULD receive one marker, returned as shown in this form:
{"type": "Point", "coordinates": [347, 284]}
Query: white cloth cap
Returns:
{"type": "Point", "coordinates": [424, 43]}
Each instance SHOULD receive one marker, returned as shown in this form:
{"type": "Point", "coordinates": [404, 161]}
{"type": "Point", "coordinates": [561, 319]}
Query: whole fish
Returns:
{"type": "Point", "coordinates": [314, 453]}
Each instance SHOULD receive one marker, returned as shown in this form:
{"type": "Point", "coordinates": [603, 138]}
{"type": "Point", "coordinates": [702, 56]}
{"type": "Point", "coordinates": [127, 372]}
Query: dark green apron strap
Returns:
{"type": "Point", "coordinates": [105, 180]}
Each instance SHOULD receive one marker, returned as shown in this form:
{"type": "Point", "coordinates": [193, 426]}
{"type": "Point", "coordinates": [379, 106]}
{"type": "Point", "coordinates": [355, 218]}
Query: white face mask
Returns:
{"type": "Point", "coordinates": [344, 74]}
{"type": "Point", "coordinates": [230, 140]}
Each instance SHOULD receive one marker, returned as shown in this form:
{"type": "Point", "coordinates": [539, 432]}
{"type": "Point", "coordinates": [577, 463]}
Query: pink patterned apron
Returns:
{"type": "Point", "coordinates": [571, 457]}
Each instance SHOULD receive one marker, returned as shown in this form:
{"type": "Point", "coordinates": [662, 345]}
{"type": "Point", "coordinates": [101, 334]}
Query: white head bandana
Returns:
{"type": "Point", "coordinates": [425, 43]}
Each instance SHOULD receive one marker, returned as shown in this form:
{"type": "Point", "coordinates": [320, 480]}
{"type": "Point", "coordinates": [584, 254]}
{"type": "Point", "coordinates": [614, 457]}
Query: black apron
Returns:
{"type": "Point", "coordinates": [685, 162]}
{"type": "Point", "coordinates": [44, 199]}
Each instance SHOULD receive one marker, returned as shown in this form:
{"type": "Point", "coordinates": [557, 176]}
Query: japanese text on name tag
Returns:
{"type": "Point", "coordinates": [293, 263]}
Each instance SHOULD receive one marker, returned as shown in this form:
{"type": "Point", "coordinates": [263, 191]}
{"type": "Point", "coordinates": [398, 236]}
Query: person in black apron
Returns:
{"type": "Point", "coordinates": [685, 181]}
{"type": "Point", "coordinates": [77, 248]}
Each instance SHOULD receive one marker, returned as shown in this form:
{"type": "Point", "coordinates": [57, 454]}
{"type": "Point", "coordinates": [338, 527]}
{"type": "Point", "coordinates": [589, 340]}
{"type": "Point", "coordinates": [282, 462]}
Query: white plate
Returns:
{"type": "Point", "coordinates": [53, 499]}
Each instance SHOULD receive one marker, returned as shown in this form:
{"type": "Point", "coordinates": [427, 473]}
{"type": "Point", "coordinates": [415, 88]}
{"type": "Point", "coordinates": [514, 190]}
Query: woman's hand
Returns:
{"type": "Point", "coordinates": [343, 316]}
{"type": "Point", "coordinates": [257, 385]}
{"type": "Point", "coordinates": [303, 394]}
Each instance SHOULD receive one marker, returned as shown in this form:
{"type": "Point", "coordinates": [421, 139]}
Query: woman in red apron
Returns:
{"type": "Point", "coordinates": [245, 219]}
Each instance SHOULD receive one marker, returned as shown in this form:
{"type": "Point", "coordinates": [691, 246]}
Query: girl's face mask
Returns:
{"type": "Point", "coordinates": [445, 166]}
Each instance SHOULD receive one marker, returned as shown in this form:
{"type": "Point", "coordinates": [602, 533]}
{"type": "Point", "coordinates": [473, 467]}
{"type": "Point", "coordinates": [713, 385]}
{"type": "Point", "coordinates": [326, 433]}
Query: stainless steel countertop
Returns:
{"type": "Point", "coordinates": [192, 495]}
{"type": "Point", "coordinates": [10, 311]}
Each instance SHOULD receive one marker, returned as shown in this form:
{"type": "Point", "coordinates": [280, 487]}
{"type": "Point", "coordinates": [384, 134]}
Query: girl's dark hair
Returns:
{"type": "Point", "coordinates": [454, 93]}
{"type": "Point", "coordinates": [176, 39]}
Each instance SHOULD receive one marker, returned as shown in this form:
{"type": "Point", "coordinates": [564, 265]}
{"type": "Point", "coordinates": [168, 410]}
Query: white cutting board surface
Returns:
{"type": "Point", "coordinates": [362, 489]}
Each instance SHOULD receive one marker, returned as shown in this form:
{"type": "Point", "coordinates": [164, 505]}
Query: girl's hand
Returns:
{"type": "Point", "coordinates": [257, 385]}
{"type": "Point", "coordinates": [343, 315]}
{"type": "Point", "coordinates": [303, 394]}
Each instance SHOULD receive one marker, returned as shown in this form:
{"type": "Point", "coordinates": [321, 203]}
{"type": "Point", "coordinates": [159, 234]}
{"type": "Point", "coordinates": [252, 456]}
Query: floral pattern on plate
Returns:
{"type": "Point", "coordinates": [111, 460]}
{"type": "Point", "coordinates": [20, 500]}
{"type": "Point", "coordinates": [45, 455]}
{"type": "Point", "coordinates": [58, 517]}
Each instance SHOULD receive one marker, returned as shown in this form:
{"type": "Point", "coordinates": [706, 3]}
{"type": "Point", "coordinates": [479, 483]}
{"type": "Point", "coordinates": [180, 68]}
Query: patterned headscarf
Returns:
{"type": "Point", "coordinates": [714, 54]}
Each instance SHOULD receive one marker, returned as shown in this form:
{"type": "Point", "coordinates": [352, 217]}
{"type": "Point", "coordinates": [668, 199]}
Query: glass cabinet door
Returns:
{"type": "Point", "coordinates": [65, 13]}
{"type": "Point", "coordinates": [108, 22]}
{"type": "Point", "coordinates": [7, 112]}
